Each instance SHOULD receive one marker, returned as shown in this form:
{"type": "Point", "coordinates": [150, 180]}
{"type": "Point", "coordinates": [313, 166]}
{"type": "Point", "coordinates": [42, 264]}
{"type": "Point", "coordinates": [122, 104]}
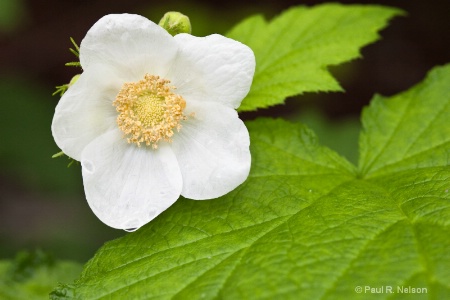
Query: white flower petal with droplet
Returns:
{"type": "Point", "coordinates": [127, 186]}
{"type": "Point", "coordinates": [152, 117]}
{"type": "Point", "coordinates": [85, 110]}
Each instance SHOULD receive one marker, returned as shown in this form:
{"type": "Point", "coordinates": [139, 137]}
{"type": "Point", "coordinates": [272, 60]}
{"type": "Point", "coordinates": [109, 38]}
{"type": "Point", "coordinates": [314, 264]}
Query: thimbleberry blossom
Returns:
{"type": "Point", "coordinates": [153, 117]}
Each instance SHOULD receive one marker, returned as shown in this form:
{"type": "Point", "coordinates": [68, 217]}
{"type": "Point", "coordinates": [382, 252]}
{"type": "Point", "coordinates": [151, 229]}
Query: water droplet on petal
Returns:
{"type": "Point", "coordinates": [152, 214]}
{"type": "Point", "coordinates": [132, 225]}
{"type": "Point", "coordinates": [88, 166]}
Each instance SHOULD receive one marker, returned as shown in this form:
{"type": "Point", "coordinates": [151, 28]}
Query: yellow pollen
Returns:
{"type": "Point", "coordinates": [149, 111]}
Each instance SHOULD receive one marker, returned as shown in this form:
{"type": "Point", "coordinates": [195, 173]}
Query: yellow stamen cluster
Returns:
{"type": "Point", "coordinates": [149, 111]}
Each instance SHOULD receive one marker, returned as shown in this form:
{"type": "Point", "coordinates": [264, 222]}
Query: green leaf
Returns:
{"type": "Point", "coordinates": [399, 138]}
{"type": "Point", "coordinates": [306, 224]}
{"type": "Point", "coordinates": [33, 275]}
{"type": "Point", "coordinates": [294, 50]}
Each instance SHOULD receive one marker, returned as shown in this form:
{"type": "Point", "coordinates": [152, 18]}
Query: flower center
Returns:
{"type": "Point", "coordinates": [149, 111]}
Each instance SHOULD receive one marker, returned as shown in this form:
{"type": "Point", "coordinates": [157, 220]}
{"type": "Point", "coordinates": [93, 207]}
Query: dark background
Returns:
{"type": "Point", "coordinates": [42, 202]}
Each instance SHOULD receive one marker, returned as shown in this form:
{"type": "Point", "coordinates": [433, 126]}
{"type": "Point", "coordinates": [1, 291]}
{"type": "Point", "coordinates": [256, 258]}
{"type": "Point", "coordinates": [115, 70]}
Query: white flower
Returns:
{"type": "Point", "coordinates": [153, 116]}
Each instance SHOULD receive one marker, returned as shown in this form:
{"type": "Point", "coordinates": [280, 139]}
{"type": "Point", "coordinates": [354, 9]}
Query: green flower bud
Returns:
{"type": "Point", "coordinates": [175, 23]}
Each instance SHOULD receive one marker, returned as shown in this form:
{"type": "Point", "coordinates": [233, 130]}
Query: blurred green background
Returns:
{"type": "Point", "coordinates": [42, 203]}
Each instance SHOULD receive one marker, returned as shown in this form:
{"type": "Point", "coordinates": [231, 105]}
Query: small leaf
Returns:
{"type": "Point", "coordinates": [59, 154]}
{"type": "Point", "coordinates": [294, 50]}
{"type": "Point", "coordinates": [75, 51]}
{"type": "Point", "coordinates": [73, 64]}
{"type": "Point", "coordinates": [60, 89]}
{"type": "Point", "coordinates": [305, 224]}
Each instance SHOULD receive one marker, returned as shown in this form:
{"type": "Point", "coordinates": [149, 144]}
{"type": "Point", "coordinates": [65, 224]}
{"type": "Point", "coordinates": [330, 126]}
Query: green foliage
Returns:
{"type": "Point", "coordinates": [306, 224]}
{"type": "Point", "coordinates": [398, 138]}
{"type": "Point", "coordinates": [33, 275]}
{"type": "Point", "coordinates": [293, 50]}
{"type": "Point", "coordinates": [75, 51]}
{"type": "Point", "coordinates": [60, 89]}
{"type": "Point", "coordinates": [73, 64]}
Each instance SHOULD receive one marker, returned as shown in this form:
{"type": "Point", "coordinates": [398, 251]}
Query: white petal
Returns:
{"type": "Point", "coordinates": [85, 111]}
{"type": "Point", "coordinates": [212, 150]}
{"type": "Point", "coordinates": [213, 68]}
{"type": "Point", "coordinates": [131, 43]}
{"type": "Point", "coordinates": [127, 186]}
